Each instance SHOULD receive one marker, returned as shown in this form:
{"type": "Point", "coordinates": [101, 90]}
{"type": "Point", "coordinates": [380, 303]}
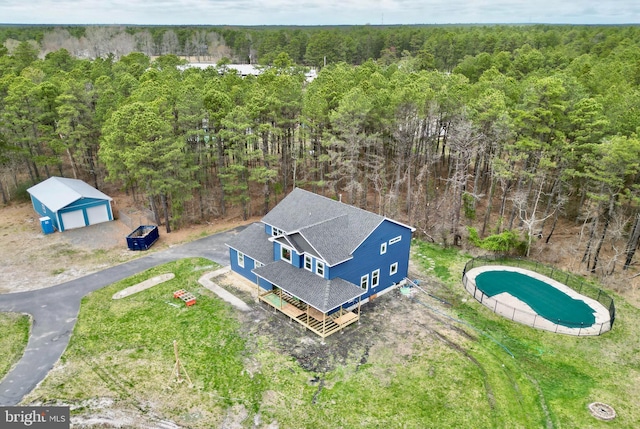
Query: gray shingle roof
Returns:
{"type": "Point", "coordinates": [253, 242]}
{"type": "Point", "coordinates": [332, 228]}
{"type": "Point", "coordinates": [323, 294]}
{"type": "Point", "coordinates": [301, 244]}
{"type": "Point", "coordinates": [59, 192]}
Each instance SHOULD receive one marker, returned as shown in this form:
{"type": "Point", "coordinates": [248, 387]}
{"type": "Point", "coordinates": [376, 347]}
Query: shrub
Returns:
{"type": "Point", "coordinates": [507, 242]}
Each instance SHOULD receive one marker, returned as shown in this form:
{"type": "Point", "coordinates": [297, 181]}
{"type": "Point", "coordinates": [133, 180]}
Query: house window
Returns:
{"type": "Point", "coordinates": [383, 248]}
{"type": "Point", "coordinates": [275, 231]}
{"type": "Point", "coordinates": [285, 253]}
{"type": "Point", "coordinates": [393, 268]}
{"type": "Point", "coordinates": [364, 281]}
{"type": "Point", "coordinates": [320, 268]}
{"type": "Point", "coordinates": [258, 264]}
{"type": "Point", "coordinates": [241, 259]}
{"type": "Point", "coordinates": [307, 263]}
{"type": "Point", "coordinates": [395, 240]}
{"type": "Point", "coordinates": [375, 278]}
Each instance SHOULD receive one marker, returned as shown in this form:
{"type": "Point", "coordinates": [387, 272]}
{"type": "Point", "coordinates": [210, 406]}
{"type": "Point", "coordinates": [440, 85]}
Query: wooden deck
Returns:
{"type": "Point", "coordinates": [309, 317]}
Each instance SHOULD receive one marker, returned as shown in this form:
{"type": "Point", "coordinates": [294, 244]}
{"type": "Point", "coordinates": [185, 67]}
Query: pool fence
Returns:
{"type": "Point", "coordinates": [531, 318]}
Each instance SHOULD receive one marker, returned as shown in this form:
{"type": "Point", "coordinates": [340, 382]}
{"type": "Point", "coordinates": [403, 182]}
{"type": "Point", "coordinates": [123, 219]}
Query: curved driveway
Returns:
{"type": "Point", "coordinates": [55, 310]}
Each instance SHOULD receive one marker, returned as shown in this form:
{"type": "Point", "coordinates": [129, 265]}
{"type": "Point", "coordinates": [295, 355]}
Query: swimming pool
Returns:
{"type": "Point", "coordinates": [533, 299]}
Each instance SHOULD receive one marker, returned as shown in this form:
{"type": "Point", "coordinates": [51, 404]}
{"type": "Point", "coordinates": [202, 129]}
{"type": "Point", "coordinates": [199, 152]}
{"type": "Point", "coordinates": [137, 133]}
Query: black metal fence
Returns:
{"type": "Point", "coordinates": [531, 318]}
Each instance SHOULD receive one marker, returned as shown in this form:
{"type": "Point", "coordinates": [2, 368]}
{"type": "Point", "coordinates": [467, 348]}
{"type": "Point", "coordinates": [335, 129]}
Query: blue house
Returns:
{"type": "Point", "coordinates": [70, 203]}
{"type": "Point", "coordinates": [317, 260]}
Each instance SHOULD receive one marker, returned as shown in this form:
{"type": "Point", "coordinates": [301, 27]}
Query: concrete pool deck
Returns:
{"type": "Point", "coordinates": [512, 308]}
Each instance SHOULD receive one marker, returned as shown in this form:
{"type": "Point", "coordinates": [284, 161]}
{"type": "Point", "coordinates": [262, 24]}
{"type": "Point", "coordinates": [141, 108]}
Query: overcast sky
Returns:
{"type": "Point", "coordinates": [318, 12]}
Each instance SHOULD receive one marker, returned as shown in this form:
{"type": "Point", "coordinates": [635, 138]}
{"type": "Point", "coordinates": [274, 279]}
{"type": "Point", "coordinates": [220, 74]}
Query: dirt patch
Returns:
{"type": "Point", "coordinates": [566, 250]}
{"type": "Point", "coordinates": [33, 260]}
{"type": "Point", "coordinates": [392, 321]}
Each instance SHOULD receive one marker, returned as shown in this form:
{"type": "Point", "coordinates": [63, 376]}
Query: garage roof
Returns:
{"type": "Point", "coordinates": [59, 192]}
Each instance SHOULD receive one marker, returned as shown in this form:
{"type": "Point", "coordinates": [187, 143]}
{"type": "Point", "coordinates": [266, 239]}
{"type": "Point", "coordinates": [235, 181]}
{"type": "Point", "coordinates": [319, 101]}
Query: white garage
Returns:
{"type": "Point", "coordinates": [70, 203]}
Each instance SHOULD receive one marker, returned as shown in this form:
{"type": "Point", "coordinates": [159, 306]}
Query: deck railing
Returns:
{"type": "Point", "coordinates": [320, 323]}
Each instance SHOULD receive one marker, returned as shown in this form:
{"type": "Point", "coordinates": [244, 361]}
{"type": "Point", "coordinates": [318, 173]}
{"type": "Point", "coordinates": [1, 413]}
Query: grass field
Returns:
{"type": "Point", "coordinates": [15, 334]}
{"type": "Point", "coordinates": [440, 367]}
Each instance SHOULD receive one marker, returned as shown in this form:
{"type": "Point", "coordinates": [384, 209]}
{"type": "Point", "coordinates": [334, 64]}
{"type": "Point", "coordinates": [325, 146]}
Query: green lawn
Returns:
{"type": "Point", "coordinates": [15, 335]}
{"type": "Point", "coordinates": [463, 378]}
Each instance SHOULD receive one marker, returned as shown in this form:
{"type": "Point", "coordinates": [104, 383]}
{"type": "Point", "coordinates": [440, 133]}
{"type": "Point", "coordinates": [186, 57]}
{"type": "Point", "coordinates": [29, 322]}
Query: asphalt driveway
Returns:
{"type": "Point", "coordinates": [55, 310]}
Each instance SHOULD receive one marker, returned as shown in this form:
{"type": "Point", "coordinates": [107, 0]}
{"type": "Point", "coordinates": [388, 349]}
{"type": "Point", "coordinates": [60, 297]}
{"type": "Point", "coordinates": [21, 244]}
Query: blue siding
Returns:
{"type": "Point", "coordinates": [367, 258]}
{"type": "Point", "coordinates": [326, 268]}
{"type": "Point", "coordinates": [82, 204]}
{"type": "Point", "coordinates": [43, 210]}
{"type": "Point", "coordinates": [268, 229]}
{"type": "Point", "coordinates": [276, 251]}
{"type": "Point", "coordinates": [246, 272]}
{"type": "Point", "coordinates": [264, 284]}
{"type": "Point", "coordinates": [296, 259]}
{"type": "Point", "coordinates": [314, 266]}
{"type": "Point", "coordinates": [249, 264]}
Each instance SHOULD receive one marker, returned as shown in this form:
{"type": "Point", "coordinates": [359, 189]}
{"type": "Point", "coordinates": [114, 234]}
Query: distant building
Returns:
{"type": "Point", "coordinates": [243, 69]}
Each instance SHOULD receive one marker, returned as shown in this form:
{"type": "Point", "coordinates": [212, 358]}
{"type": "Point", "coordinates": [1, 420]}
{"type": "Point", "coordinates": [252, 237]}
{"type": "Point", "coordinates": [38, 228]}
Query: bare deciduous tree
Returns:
{"type": "Point", "coordinates": [464, 143]}
{"type": "Point", "coordinates": [170, 43]}
{"type": "Point", "coordinates": [529, 217]}
{"type": "Point", "coordinates": [145, 43]}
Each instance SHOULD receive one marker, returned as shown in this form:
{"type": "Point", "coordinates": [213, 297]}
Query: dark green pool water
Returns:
{"type": "Point", "coordinates": [549, 302]}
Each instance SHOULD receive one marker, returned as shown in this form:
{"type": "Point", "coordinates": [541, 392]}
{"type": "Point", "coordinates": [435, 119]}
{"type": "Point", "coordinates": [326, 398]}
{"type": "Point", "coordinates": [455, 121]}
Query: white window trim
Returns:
{"type": "Point", "coordinates": [308, 258]}
{"type": "Point", "coordinates": [395, 240]}
{"type": "Point", "coordinates": [375, 276]}
{"type": "Point", "coordinates": [364, 280]}
{"type": "Point", "coordinates": [383, 248]}
{"type": "Point", "coordinates": [275, 231]}
{"type": "Point", "coordinates": [318, 269]}
{"type": "Point", "coordinates": [258, 264]}
{"type": "Point", "coordinates": [393, 269]}
{"type": "Point", "coordinates": [241, 259]}
{"type": "Point", "coordinates": [282, 247]}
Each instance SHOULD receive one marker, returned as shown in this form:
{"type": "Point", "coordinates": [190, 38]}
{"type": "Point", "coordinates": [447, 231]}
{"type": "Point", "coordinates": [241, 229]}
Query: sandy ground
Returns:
{"type": "Point", "coordinates": [33, 260]}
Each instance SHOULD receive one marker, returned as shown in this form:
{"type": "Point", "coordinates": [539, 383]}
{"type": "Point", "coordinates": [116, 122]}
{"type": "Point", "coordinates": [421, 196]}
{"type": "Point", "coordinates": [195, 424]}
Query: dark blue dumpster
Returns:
{"type": "Point", "coordinates": [142, 237]}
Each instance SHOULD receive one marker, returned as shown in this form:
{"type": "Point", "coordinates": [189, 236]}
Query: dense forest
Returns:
{"type": "Point", "coordinates": [491, 134]}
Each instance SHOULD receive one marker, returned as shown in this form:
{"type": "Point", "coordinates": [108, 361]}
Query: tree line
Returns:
{"type": "Point", "coordinates": [442, 47]}
{"type": "Point", "coordinates": [497, 145]}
